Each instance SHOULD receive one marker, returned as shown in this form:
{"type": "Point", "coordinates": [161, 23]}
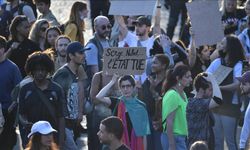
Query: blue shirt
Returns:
{"type": "Point", "coordinates": [10, 76]}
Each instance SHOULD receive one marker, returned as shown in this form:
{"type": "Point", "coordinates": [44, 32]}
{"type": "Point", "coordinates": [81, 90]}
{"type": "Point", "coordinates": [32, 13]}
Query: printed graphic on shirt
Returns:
{"type": "Point", "coordinates": [72, 101]}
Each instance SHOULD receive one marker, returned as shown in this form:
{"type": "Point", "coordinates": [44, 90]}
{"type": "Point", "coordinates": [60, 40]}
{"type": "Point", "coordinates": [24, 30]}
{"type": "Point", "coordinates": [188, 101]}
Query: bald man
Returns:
{"type": "Point", "coordinates": [97, 44]}
{"type": "Point", "coordinates": [94, 63]}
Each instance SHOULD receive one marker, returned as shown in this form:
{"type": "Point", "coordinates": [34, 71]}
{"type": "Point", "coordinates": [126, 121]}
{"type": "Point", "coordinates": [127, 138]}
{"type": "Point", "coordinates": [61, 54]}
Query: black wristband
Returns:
{"type": "Point", "coordinates": [158, 7]}
{"type": "Point", "coordinates": [217, 100]}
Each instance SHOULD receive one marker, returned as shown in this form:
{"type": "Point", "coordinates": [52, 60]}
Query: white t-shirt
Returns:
{"type": "Point", "coordinates": [92, 54]}
{"type": "Point", "coordinates": [237, 71]}
{"type": "Point", "coordinates": [132, 41]}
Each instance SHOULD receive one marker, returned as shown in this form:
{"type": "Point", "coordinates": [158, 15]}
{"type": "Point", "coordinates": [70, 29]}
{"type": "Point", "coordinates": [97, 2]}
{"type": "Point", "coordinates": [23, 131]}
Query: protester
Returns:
{"type": "Point", "coordinates": [20, 47]}
{"type": "Point", "coordinates": [150, 93]}
{"type": "Point", "coordinates": [174, 104]}
{"type": "Point", "coordinates": [130, 110]}
{"type": "Point", "coordinates": [75, 26]}
{"type": "Point", "coordinates": [50, 37]}
{"type": "Point", "coordinates": [245, 91]}
{"type": "Point", "coordinates": [41, 99]}
{"type": "Point", "coordinates": [199, 58]}
{"type": "Point", "coordinates": [43, 7]}
{"type": "Point", "coordinates": [199, 117]}
{"type": "Point", "coordinates": [10, 76]}
{"type": "Point", "coordinates": [97, 44]}
{"type": "Point", "coordinates": [71, 77]}
{"type": "Point", "coordinates": [61, 44]}
{"type": "Point", "coordinates": [226, 115]}
{"type": "Point", "coordinates": [37, 32]}
{"type": "Point", "coordinates": [41, 137]}
{"type": "Point", "coordinates": [101, 110]}
{"type": "Point", "coordinates": [110, 133]}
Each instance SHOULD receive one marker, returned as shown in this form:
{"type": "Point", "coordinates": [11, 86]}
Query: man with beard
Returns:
{"type": "Point", "coordinates": [142, 38]}
{"type": "Point", "coordinates": [20, 47]}
{"type": "Point", "coordinates": [110, 133]}
{"type": "Point", "coordinates": [61, 44]}
{"type": "Point", "coordinates": [41, 99]}
{"type": "Point", "coordinates": [71, 77]}
{"type": "Point", "coordinates": [97, 44]}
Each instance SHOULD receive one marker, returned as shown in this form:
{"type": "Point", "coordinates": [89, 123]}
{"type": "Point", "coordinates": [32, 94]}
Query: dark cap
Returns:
{"type": "Point", "coordinates": [76, 47]}
{"type": "Point", "coordinates": [143, 20]}
{"type": "Point", "coordinates": [245, 77]}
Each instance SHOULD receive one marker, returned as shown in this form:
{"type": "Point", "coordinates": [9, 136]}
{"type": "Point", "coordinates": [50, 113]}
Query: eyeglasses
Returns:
{"type": "Point", "coordinates": [43, 29]}
{"type": "Point", "coordinates": [104, 27]}
{"type": "Point", "coordinates": [126, 86]}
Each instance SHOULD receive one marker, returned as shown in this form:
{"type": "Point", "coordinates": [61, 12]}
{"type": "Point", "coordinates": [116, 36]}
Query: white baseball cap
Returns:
{"type": "Point", "coordinates": [42, 127]}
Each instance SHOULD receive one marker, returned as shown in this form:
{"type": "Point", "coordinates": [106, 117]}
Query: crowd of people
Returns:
{"type": "Point", "coordinates": [189, 97]}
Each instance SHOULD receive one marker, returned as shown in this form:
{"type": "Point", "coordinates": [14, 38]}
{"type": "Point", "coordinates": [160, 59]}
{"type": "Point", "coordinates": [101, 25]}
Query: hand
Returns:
{"type": "Point", "coordinates": [165, 41]}
{"type": "Point", "coordinates": [115, 78]}
{"type": "Point", "coordinates": [153, 83]}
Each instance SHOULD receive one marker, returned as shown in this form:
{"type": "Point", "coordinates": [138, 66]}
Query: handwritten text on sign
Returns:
{"type": "Point", "coordinates": [129, 60]}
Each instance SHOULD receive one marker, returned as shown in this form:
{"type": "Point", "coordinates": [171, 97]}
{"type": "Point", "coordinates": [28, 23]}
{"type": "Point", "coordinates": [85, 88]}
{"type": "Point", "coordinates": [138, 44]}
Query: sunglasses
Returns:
{"type": "Point", "coordinates": [43, 29]}
{"type": "Point", "coordinates": [104, 27]}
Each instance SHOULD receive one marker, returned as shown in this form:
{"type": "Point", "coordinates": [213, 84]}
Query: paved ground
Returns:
{"type": "Point", "coordinates": [61, 9]}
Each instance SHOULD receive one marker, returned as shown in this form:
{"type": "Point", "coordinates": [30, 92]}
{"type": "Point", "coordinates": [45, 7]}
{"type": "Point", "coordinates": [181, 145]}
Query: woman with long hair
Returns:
{"type": "Point", "coordinates": [150, 93]}
{"type": "Point", "coordinates": [50, 37]}
{"type": "Point", "coordinates": [174, 108]}
{"type": "Point", "coordinates": [74, 27]}
{"type": "Point", "coordinates": [41, 137]}
{"type": "Point", "coordinates": [231, 55]}
{"type": "Point", "coordinates": [37, 32]}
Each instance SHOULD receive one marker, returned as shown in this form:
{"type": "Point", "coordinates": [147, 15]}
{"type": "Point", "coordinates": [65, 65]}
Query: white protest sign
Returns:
{"type": "Point", "coordinates": [125, 60]}
{"type": "Point", "coordinates": [132, 7]}
{"type": "Point", "coordinates": [206, 22]}
{"type": "Point", "coordinates": [221, 73]}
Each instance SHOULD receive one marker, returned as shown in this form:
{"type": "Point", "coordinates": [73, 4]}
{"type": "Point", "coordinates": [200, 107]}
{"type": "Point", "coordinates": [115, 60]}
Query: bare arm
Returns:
{"type": "Point", "coordinates": [157, 24]}
{"type": "Point", "coordinates": [192, 54]}
{"type": "Point", "coordinates": [231, 87]}
{"type": "Point", "coordinates": [95, 87]}
{"type": "Point", "coordinates": [123, 30]}
{"type": "Point", "coordinates": [101, 96]}
{"type": "Point", "coordinates": [170, 122]}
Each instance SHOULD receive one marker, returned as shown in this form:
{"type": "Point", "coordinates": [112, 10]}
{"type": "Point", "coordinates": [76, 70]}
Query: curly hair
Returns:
{"type": "Point", "coordinates": [39, 59]}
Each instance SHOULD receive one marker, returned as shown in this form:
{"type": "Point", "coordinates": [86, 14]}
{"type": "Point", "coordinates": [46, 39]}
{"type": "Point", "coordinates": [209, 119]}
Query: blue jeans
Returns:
{"type": "Point", "coordinates": [225, 126]}
{"type": "Point", "coordinates": [70, 143]}
{"type": "Point", "coordinates": [180, 142]}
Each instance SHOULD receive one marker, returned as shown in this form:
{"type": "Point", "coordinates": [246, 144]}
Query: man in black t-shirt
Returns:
{"type": "Point", "coordinates": [110, 133]}
{"type": "Point", "coordinates": [41, 99]}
